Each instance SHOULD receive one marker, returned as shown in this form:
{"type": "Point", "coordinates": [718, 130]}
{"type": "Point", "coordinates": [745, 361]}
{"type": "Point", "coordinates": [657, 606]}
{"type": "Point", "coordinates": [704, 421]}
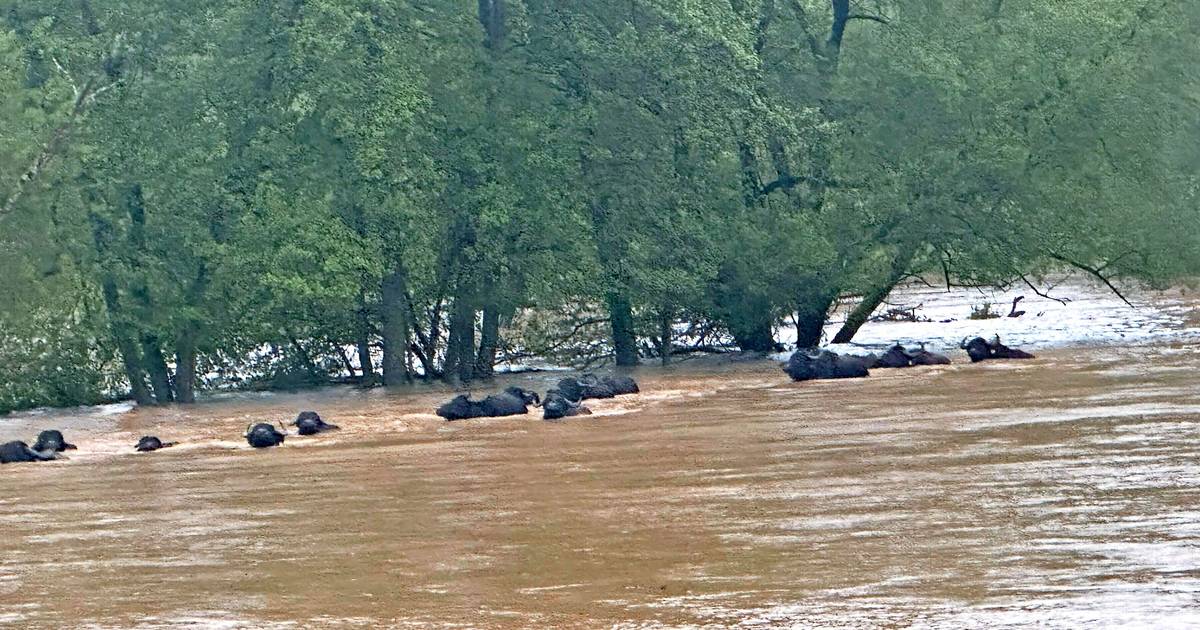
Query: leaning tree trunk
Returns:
{"type": "Point", "coordinates": [875, 296]}
{"type": "Point", "coordinates": [624, 336]}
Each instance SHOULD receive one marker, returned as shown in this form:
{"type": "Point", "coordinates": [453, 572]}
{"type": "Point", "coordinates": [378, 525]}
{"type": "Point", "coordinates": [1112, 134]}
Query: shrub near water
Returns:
{"type": "Point", "coordinates": [60, 368]}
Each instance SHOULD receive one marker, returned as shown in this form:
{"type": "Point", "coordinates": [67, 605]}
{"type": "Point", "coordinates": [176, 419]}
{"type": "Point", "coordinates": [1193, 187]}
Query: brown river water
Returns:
{"type": "Point", "coordinates": [1061, 492]}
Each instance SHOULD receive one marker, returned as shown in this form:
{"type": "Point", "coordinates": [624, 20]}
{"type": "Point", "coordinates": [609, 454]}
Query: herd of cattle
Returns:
{"type": "Point", "coordinates": [564, 401]}
{"type": "Point", "coordinates": [806, 365]}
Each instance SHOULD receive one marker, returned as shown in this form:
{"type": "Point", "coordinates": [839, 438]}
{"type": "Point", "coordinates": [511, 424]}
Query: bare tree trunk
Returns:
{"type": "Point", "coordinates": [131, 358]}
{"type": "Point", "coordinates": [362, 339]}
{"type": "Point", "coordinates": [489, 340]}
{"type": "Point", "coordinates": [811, 312]}
{"type": "Point", "coordinates": [624, 335]}
{"type": "Point", "coordinates": [156, 367]}
{"type": "Point", "coordinates": [185, 367]}
{"type": "Point", "coordinates": [395, 330]}
{"type": "Point", "coordinates": [185, 342]}
{"type": "Point", "coordinates": [345, 359]}
{"type": "Point", "coordinates": [460, 348]}
{"type": "Point", "coordinates": [875, 296]}
{"type": "Point", "coordinates": [664, 336]}
{"type": "Point", "coordinates": [122, 332]}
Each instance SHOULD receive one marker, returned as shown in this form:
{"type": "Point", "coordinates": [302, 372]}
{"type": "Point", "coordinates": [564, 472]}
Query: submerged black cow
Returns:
{"type": "Point", "coordinates": [263, 435]}
{"type": "Point", "coordinates": [52, 440]}
{"type": "Point", "coordinates": [807, 365]}
{"type": "Point", "coordinates": [899, 357]}
{"type": "Point", "coordinates": [47, 447]}
{"type": "Point", "coordinates": [558, 406]}
{"type": "Point", "coordinates": [310, 423]}
{"type": "Point", "coordinates": [150, 443]}
{"type": "Point", "coordinates": [513, 401]}
{"type": "Point", "coordinates": [591, 386]}
{"type": "Point", "coordinates": [980, 349]}
{"type": "Point", "coordinates": [922, 356]}
{"type": "Point", "coordinates": [19, 452]}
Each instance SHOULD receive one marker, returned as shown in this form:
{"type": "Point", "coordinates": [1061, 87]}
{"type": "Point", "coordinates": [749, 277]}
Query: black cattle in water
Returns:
{"type": "Point", "coordinates": [980, 349]}
{"type": "Point", "coordinates": [807, 365]}
{"type": "Point", "coordinates": [556, 406]}
{"type": "Point", "coordinates": [922, 356]}
{"type": "Point", "coordinates": [513, 401]}
{"type": "Point", "coordinates": [150, 443]}
{"type": "Point", "coordinates": [899, 357]}
{"type": "Point", "coordinates": [310, 423]}
{"type": "Point", "coordinates": [263, 435]}
{"type": "Point", "coordinates": [895, 357]}
{"type": "Point", "coordinates": [590, 386]}
{"type": "Point", "coordinates": [19, 452]}
{"type": "Point", "coordinates": [52, 440]}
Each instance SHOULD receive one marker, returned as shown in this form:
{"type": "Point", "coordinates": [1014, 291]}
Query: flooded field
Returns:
{"type": "Point", "coordinates": [1063, 491]}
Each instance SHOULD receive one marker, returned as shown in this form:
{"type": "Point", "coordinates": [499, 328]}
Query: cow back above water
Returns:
{"type": "Point", "coordinates": [558, 406]}
{"type": "Point", "coordinates": [512, 401]}
{"type": "Point", "coordinates": [150, 443]}
{"type": "Point", "coordinates": [52, 440]}
{"type": "Point", "coordinates": [18, 452]}
{"type": "Point", "coordinates": [807, 365]}
{"type": "Point", "coordinates": [310, 423]}
{"type": "Point", "coordinates": [263, 435]}
{"type": "Point", "coordinates": [980, 349]}
{"type": "Point", "coordinates": [590, 386]}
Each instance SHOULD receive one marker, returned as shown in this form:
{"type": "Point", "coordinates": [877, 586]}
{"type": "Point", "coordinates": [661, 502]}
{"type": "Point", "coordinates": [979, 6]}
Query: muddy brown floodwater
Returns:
{"type": "Point", "coordinates": [1063, 491]}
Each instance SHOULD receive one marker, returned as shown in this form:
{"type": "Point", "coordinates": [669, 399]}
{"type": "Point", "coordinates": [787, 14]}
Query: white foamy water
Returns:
{"type": "Point", "coordinates": [1089, 314]}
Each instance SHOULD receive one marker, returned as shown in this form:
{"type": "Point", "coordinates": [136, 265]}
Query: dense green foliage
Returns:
{"type": "Point", "coordinates": [296, 188]}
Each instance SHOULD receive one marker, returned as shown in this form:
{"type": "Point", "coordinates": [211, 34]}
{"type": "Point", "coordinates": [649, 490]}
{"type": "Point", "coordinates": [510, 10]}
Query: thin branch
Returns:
{"type": "Point", "coordinates": [98, 91]}
{"type": "Point", "coordinates": [1094, 271]}
{"type": "Point", "coordinates": [918, 279]}
{"type": "Point", "coordinates": [70, 79]}
{"type": "Point", "coordinates": [864, 16]}
{"type": "Point", "coordinates": [945, 260]}
{"type": "Point", "coordinates": [1110, 263]}
{"type": "Point", "coordinates": [82, 97]}
{"type": "Point", "coordinates": [813, 43]}
{"type": "Point", "coordinates": [1045, 295]}
{"type": "Point", "coordinates": [597, 359]}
